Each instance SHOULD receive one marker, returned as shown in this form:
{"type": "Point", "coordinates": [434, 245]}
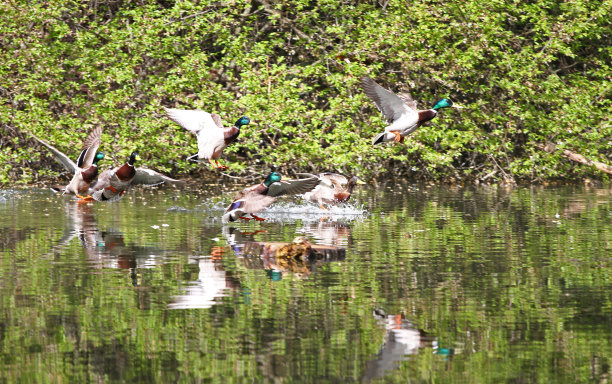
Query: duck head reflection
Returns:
{"type": "Point", "coordinates": [328, 232]}
{"type": "Point", "coordinates": [402, 339]}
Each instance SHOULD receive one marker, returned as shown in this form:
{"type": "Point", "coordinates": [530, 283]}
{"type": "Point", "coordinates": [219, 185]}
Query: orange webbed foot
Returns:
{"type": "Point", "coordinates": [215, 164]}
{"type": "Point", "coordinates": [398, 137]}
{"type": "Point", "coordinates": [257, 218]}
{"type": "Point", "coordinates": [84, 199]}
{"type": "Point", "coordinates": [219, 166]}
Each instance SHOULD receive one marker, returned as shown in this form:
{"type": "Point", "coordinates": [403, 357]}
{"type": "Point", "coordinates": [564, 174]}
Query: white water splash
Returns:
{"type": "Point", "coordinates": [289, 211]}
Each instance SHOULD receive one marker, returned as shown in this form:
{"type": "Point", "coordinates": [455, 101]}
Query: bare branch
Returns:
{"type": "Point", "coordinates": [578, 158]}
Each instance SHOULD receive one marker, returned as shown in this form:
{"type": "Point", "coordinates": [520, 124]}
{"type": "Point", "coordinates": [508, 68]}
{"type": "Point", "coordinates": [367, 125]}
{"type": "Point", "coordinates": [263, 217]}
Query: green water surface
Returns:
{"type": "Point", "coordinates": [436, 284]}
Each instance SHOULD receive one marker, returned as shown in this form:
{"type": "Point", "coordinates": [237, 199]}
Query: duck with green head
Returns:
{"type": "Point", "coordinates": [212, 136]}
{"type": "Point", "coordinates": [400, 111]}
{"type": "Point", "coordinates": [85, 170]}
{"type": "Point", "coordinates": [258, 197]}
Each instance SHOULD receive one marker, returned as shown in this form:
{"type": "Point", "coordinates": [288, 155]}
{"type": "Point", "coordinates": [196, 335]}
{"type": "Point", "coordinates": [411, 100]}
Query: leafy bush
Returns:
{"type": "Point", "coordinates": [527, 73]}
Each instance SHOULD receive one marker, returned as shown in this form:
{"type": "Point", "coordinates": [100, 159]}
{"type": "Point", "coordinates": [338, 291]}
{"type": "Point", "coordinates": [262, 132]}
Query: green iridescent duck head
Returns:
{"type": "Point", "coordinates": [99, 156]}
{"type": "Point", "coordinates": [242, 121]}
{"type": "Point", "coordinates": [444, 103]}
{"type": "Point", "coordinates": [272, 178]}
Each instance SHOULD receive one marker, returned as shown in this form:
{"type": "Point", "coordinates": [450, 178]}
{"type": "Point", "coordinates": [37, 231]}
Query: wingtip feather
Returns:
{"type": "Point", "coordinates": [380, 138]}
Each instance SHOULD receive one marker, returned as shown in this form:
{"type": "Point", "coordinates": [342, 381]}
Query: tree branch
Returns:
{"type": "Point", "coordinates": [578, 158]}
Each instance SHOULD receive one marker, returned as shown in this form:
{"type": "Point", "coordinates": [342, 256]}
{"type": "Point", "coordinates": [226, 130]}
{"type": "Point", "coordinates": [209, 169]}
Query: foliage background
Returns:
{"type": "Point", "coordinates": [527, 73]}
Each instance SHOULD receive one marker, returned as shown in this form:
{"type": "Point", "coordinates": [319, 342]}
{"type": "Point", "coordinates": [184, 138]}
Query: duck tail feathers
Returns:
{"type": "Point", "coordinates": [234, 215]}
{"type": "Point", "coordinates": [380, 138]}
{"type": "Point", "coordinates": [234, 212]}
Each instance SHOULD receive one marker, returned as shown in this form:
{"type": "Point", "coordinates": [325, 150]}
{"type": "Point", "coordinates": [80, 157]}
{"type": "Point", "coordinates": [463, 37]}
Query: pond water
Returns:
{"type": "Point", "coordinates": [432, 284]}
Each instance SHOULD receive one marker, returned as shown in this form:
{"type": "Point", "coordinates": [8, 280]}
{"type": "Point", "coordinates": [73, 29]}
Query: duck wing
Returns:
{"type": "Point", "coordinates": [293, 187]}
{"type": "Point", "coordinates": [90, 148]}
{"type": "Point", "coordinates": [217, 120]}
{"type": "Point", "coordinates": [334, 178]}
{"type": "Point", "coordinates": [251, 202]}
{"type": "Point", "coordinates": [408, 100]}
{"type": "Point", "coordinates": [193, 120]}
{"type": "Point", "coordinates": [147, 176]}
{"type": "Point", "coordinates": [60, 156]}
{"type": "Point", "coordinates": [326, 178]}
{"type": "Point", "coordinates": [207, 127]}
{"type": "Point", "coordinates": [388, 103]}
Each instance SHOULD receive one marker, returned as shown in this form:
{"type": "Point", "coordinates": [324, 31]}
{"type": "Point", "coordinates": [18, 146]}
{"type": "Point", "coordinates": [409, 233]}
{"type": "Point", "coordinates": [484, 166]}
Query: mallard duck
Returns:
{"type": "Point", "coordinates": [256, 198]}
{"type": "Point", "coordinates": [332, 189]}
{"type": "Point", "coordinates": [212, 136]}
{"type": "Point", "coordinates": [400, 111]}
{"type": "Point", "coordinates": [112, 184]}
{"type": "Point", "coordinates": [85, 169]}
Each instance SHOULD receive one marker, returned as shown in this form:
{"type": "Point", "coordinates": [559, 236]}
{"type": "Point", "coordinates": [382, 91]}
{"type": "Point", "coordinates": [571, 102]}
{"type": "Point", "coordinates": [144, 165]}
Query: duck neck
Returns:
{"type": "Point", "coordinates": [131, 160]}
{"type": "Point", "coordinates": [267, 183]}
{"type": "Point", "coordinates": [238, 123]}
{"type": "Point", "coordinates": [351, 184]}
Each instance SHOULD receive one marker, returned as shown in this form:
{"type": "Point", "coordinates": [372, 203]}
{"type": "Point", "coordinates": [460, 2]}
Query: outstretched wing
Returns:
{"type": "Point", "coordinates": [388, 103]}
{"type": "Point", "coordinates": [207, 127]}
{"type": "Point", "coordinates": [147, 176]}
{"type": "Point", "coordinates": [327, 178]}
{"type": "Point", "coordinates": [90, 148]}
{"type": "Point", "coordinates": [334, 178]}
{"type": "Point", "coordinates": [193, 120]}
{"type": "Point", "coordinates": [217, 120]}
{"type": "Point", "coordinates": [408, 100]}
{"type": "Point", "coordinates": [292, 187]}
{"type": "Point", "coordinates": [61, 157]}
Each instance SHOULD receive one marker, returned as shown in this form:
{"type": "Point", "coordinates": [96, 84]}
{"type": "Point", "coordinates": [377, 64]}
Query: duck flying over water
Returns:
{"type": "Point", "coordinates": [212, 136]}
{"type": "Point", "coordinates": [258, 197]}
{"type": "Point", "coordinates": [85, 169]}
{"type": "Point", "coordinates": [332, 189]}
{"type": "Point", "coordinates": [113, 184]}
{"type": "Point", "coordinates": [400, 111]}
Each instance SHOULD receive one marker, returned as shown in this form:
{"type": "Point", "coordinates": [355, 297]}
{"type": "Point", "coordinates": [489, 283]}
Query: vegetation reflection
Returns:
{"type": "Point", "coordinates": [468, 285]}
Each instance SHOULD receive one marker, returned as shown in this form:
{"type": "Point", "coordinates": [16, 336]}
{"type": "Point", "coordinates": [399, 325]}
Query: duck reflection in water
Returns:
{"type": "Point", "coordinates": [402, 339]}
{"type": "Point", "coordinates": [105, 248]}
{"type": "Point", "coordinates": [328, 232]}
{"type": "Point", "coordinates": [236, 238]}
{"type": "Point", "coordinates": [300, 257]}
{"type": "Point", "coordinates": [212, 283]}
